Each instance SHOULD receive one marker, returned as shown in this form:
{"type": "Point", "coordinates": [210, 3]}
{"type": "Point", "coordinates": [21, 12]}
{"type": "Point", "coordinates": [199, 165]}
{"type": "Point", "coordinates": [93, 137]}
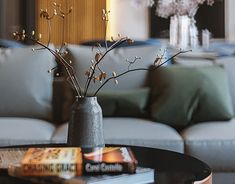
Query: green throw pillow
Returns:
{"type": "Point", "coordinates": [185, 95]}
{"type": "Point", "coordinates": [125, 103]}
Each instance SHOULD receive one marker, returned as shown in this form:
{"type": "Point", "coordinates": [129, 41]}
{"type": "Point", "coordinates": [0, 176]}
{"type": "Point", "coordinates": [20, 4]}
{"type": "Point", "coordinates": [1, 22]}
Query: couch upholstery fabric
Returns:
{"type": "Point", "coordinates": [115, 60]}
{"type": "Point", "coordinates": [133, 131]}
{"type": "Point", "coordinates": [229, 65]}
{"type": "Point", "coordinates": [184, 95]}
{"type": "Point", "coordinates": [227, 62]}
{"type": "Point", "coordinates": [212, 142]}
{"type": "Point", "coordinates": [26, 85]}
{"type": "Point", "coordinates": [18, 131]}
{"type": "Point", "coordinates": [125, 103]}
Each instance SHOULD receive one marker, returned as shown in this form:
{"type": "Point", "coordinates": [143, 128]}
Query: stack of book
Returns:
{"type": "Point", "coordinates": [70, 165]}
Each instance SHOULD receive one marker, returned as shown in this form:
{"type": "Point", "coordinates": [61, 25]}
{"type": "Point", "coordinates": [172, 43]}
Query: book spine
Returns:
{"type": "Point", "coordinates": [49, 169]}
{"type": "Point", "coordinates": [16, 171]}
{"type": "Point", "coordinates": [108, 168]}
{"type": "Point", "coordinates": [71, 170]}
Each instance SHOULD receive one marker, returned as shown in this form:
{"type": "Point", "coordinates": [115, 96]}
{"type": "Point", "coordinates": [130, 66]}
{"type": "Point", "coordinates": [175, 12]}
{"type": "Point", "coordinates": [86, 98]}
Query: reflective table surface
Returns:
{"type": "Point", "coordinates": [170, 167]}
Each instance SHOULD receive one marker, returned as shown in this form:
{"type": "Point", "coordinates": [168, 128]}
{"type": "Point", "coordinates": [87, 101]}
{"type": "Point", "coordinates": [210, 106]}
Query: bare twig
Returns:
{"type": "Point", "coordinates": [137, 69]}
{"type": "Point", "coordinates": [100, 59]}
{"type": "Point", "coordinates": [94, 67]}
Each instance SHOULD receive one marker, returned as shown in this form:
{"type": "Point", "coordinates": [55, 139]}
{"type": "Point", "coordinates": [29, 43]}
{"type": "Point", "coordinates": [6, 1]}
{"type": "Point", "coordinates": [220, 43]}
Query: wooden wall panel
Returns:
{"type": "Point", "coordinates": [83, 24]}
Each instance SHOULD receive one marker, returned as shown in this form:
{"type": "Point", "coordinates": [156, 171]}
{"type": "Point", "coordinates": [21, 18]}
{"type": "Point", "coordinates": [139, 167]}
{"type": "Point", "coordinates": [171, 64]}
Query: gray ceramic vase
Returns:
{"type": "Point", "coordinates": [86, 124]}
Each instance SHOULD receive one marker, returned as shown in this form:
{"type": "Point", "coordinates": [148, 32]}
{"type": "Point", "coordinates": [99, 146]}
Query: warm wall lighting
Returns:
{"type": "Point", "coordinates": [110, 27]}
{"type": "Point", "coordinates": [127, 20]}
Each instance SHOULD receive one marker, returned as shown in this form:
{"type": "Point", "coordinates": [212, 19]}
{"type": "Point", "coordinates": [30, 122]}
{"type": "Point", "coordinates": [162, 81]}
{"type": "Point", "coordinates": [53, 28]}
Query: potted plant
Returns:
{"type": "Point", "coordinates": [85, 126]}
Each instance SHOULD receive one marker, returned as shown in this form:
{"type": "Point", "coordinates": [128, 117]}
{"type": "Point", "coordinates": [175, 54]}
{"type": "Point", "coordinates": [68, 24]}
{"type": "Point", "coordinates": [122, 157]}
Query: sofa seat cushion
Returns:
{"type": "Point", "coordinates": [212, 142]}
{"type": "Point", "coordinates": [16, 131]}
{"type": "Point", "coordinates": [133, 131]}
{"type": "Point", "coordinates": [140, 132]}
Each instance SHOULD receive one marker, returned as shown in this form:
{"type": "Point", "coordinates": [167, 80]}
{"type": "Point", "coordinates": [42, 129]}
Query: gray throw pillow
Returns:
{"type": "Point", "coordinates": [25, 84]}
{"type": "Point", "coordinates": [115, 60]}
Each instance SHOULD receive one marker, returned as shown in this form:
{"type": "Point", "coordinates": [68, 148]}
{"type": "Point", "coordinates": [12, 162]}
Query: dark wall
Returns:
{"type": "Point", "coordinates": [212, 18]}
{"type": "Point", "coordinates": [16, 15]}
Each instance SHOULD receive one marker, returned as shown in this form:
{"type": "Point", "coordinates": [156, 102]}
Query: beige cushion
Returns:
{"type": "Point", "coordinates": [25, 84]}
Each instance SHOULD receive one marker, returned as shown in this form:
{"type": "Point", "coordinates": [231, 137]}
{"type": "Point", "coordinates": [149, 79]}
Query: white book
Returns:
{"type": "Point", "coordinates": [142, 175]}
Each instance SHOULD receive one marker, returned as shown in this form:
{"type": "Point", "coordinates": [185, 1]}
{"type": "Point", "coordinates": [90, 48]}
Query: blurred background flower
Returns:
{"type": "Point", "coordinates": [167, 8]}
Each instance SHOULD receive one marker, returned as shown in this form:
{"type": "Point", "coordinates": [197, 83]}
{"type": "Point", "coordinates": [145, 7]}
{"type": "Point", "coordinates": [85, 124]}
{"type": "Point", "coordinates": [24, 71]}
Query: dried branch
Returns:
{"type": "Point", "coordinates": [99, 56]}
{"type": "Point", "coordinates": [59, 58]}
{"type": "Point", "coordinates": [138, 69]}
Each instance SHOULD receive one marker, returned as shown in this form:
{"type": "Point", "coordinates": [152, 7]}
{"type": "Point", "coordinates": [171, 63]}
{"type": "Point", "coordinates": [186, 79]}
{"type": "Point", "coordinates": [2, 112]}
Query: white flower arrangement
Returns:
{"type": "Point", "coordinates": [167, 8]}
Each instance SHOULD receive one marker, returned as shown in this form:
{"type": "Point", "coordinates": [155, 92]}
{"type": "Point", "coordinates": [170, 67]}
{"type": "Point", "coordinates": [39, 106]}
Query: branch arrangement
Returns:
{"type": "Point", "coordinates": [94, 73]}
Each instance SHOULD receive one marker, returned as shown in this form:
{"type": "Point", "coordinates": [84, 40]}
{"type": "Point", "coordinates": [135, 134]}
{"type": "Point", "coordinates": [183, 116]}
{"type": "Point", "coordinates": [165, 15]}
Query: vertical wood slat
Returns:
{"type": "Point", "coordinates": [83, 24]}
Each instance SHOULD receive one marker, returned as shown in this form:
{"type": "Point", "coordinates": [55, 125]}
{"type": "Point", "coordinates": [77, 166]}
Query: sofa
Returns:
{"type": "Point", "coordinates": [156, 109]}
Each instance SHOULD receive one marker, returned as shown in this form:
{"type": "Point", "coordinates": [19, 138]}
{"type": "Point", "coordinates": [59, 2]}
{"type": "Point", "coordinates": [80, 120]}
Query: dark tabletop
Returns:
{"type": "Point", "coordinates": [170, 167]}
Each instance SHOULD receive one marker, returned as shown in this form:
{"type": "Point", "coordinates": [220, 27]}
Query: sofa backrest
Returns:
{"type": "Point", "coordinates": [117, 61]}
{"type": "Point", "coordinates": [10, 44]}
{"type": "Point", "coordinates": [25, 84]}
{"type": "Point", "coordinates": [81, 56]}
{"type": "Point", "coordinates": [59, 97]}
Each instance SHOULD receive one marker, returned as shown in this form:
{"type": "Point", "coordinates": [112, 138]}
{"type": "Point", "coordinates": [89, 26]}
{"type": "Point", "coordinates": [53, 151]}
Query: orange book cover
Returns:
{"type": "Point", "coordinates": [71, 161]}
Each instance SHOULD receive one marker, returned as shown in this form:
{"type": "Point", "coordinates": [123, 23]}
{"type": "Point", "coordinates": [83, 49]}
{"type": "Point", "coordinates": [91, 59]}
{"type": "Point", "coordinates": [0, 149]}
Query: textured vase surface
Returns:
{"type": "Point", "coordinates": [86, 124]}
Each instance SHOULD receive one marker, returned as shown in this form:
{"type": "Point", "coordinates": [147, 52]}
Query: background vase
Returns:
{"type": "Point", "coordinates": [183, 32]}
{"type": "Point", "coordinates": [86, 124]}
{"type": "Point", "coordinates": [173, 31]}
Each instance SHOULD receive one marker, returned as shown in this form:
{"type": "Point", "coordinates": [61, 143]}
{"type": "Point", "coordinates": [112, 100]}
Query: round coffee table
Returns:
{"type": "Point", "coordinates": [173, 168]}
{"type": "Point", "coordinates": [170, 167]}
